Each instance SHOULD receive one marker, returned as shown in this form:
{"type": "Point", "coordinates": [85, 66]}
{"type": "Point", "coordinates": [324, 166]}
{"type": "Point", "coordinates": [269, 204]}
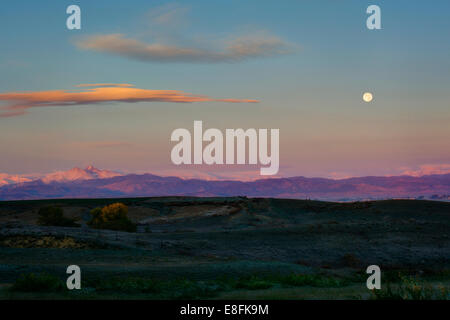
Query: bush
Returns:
{"type": "Point", "coordinates": [183, 289]}
{"type": "Point", "coordinates": [37, 283]}
{"type": "Point", "coordinates": [314, 280]}
{"type": "Point", "coordinates": [411, 289]}
{"type": "Point", "coordinates": [253, 283]}
{"type": "Point", "coordinates": [112, 217]}
{"type": "Point", "coordinates": [128, 285]}
{"type": "Point", "coordinates": [168, 289]}
{"type": "Point", "coordinates": [54, 216]}
{"type": "Point", "coordinates": [350, 260]}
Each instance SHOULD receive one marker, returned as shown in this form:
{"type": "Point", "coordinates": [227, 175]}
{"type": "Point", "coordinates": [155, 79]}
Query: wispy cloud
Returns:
{"type": "Point", "coordinates": [101, 144]}
{"type": "Point", "coordinates": [165, 37]}
{"type": "Point", "coordinates": [18, 103]}
{"type": "Point", "coordinates": [104, 85]}
{"type": "Point", "coordinates": [169, 15]}
{"type": "Point", "coordinates": [241, 48]}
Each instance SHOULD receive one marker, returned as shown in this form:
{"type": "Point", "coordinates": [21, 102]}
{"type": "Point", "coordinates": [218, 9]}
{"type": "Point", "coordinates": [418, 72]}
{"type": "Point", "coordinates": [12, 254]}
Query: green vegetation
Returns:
{"type": "Point", "coordinates": [290, 280]}
{"type": "Point", "coordinates": [252, 283]}
{"type": "Point", "coordinates": [54, 216]}
{"type": "Point", "coordinates": [127, 285]}
{"type": "Point", "coordinates": [411, 289]}
{"type": "Point", "coordinates": [112, 217]}
{"type": "Point", "coordinates": [37, 283]}
{"type": "Point", "coordinates": [181, 288]}
{"type": "Point", "coordinates": [274, 286]}
{"type": "Point", "coordinates": [166, 289]}
{"type": "Point", "coordinates": [202, 248]}
{"type": "Point", "coordinates": [313, 280]}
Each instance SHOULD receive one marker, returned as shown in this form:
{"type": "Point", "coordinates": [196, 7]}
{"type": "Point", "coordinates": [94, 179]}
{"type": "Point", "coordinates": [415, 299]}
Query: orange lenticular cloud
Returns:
{"type": "Point", "coordinates": [18, 103]}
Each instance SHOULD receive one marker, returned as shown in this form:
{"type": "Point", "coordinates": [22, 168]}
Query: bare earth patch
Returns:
{"type": "Point", "coordinates": [44, 242]}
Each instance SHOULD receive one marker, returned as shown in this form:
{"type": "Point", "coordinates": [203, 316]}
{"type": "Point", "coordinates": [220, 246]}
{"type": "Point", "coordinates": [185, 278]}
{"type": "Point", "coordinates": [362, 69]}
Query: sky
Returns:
{"type": "Point", "coordinates": [111, 93]}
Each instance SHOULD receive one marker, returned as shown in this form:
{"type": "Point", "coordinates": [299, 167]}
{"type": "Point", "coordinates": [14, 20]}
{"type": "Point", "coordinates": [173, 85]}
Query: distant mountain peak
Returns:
{"type": "Point", "coordinates": [91, 168]}
{"type": "Point", "coordinates": [74, 174]}
{"type": "Point", "coordinates": [6, 179]}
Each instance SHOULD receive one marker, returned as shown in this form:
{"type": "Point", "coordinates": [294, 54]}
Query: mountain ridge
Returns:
{"type": "Point", "coordinates": [93, 183]}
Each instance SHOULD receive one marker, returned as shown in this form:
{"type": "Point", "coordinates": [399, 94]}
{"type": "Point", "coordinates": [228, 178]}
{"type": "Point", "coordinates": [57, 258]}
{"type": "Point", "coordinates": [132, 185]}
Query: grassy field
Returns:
{"type": "Point", "coordinates": [229, 248]}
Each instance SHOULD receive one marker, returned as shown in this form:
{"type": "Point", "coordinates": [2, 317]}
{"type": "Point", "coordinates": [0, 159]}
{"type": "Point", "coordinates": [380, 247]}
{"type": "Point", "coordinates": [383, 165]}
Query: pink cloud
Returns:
{"type": "Point", "coordinates": [101, 144]}
{"type": "Point", "coordinates": [238, 49]}
{"type": "Point", "coordinates": [20, 102]}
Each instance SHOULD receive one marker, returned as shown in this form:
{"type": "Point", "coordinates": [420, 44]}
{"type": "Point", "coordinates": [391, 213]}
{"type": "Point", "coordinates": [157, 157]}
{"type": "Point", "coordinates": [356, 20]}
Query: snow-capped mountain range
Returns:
{"type": "Point", "coordinates": [73, 174]}
{"type": "Point", "coordinates": [95, 183]}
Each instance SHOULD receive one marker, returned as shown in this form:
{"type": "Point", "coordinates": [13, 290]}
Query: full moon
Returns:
{"type": "Point", "coordinates": [367, 97]}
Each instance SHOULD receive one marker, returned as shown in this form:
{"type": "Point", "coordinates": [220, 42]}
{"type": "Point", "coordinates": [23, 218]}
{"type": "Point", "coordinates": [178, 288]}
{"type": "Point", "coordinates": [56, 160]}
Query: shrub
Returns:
{"type": "Point", "coordinates": [314, 280]}
{"type": "Point", "coordinates": [187, 290]}
{"type": "Point", "coordinates": [350, 260]}
{"type": "Point", "coordinates": [168, 289]}
{"type": "Point", "coordinates": [128, 285]}
{"type": "Point", "coordinates": [37, 283]}
{"type": "Point", "coordinates": [112, 217]}
{"type": "Point", "coordinates": [411, 289]}
{"type": "Point", "coordinates": [253, 283]}
{"type": "Point", "coordinates": [54, 216]}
